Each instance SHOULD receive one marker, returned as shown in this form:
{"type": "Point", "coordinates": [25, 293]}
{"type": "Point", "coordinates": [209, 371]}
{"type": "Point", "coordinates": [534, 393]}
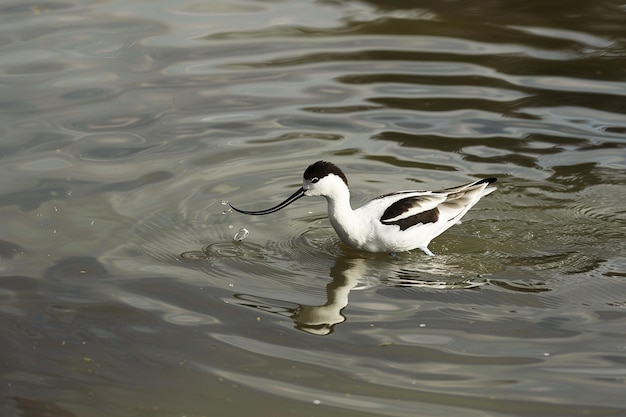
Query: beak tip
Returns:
{"type": "Point", "coordinates": [235, 209]}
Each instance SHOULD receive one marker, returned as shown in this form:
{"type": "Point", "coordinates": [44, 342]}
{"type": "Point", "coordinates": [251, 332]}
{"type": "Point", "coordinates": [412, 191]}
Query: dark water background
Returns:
{"type": "Point", "coordinates": [124, 125]}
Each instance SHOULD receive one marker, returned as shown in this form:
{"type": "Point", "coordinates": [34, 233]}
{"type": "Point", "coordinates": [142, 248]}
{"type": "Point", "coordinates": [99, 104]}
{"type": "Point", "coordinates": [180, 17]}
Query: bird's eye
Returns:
{"type": "Point", "coordinates": [314, 180]}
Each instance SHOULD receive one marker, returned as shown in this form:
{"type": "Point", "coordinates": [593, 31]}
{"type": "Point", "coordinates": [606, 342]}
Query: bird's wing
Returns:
{"type": "Point", "coordinates": [413, 209]}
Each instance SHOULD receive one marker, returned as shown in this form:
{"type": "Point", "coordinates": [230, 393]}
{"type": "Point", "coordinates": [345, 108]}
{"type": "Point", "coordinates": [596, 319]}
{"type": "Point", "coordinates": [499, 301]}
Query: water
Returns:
{"type": "Point", "coordinates": [129, 288]}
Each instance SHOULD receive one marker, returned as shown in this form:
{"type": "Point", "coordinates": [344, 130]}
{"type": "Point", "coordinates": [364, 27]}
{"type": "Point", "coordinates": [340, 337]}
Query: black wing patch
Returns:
{"type": "Point", "coordinates": [402, 206]}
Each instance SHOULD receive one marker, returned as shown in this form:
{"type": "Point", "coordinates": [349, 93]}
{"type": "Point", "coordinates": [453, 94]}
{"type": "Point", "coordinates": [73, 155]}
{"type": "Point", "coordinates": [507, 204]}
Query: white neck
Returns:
{"type": "Point", "coordinates": [342, 217]}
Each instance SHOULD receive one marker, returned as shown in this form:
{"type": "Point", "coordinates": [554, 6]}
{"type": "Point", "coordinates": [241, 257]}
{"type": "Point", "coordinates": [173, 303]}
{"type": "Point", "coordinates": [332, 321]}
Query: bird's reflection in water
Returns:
{"type": "Point", "coordinates": [347, 274]}
{"type": "Point", "coordinates": [320, 320]}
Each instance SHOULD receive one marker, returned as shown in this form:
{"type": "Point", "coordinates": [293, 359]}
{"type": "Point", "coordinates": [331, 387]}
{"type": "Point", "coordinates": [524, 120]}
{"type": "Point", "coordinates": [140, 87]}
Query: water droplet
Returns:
{"type": "Point", "coordinates": [241, 235]}
{"type": "Point", "coordinates": [229, 210]}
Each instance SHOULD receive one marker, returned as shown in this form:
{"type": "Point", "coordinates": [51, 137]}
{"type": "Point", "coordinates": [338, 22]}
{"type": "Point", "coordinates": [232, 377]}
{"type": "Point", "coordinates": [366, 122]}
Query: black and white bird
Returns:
{"type": "Point", "coordinates": [394, 222]}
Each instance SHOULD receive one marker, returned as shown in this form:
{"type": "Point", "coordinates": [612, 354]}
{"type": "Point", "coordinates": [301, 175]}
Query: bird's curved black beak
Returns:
{"type": "Point", "coordinates": [298, 194]}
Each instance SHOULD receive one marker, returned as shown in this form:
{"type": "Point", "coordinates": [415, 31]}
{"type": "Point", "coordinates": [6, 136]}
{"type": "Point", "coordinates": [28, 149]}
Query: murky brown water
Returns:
{"type": "Point", "coordinates": [125, 125]}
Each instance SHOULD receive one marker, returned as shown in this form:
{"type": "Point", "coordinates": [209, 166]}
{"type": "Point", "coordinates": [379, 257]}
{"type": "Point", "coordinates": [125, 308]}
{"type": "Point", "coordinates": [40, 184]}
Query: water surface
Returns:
{"type": "Point", "coordinates": [126, 125]}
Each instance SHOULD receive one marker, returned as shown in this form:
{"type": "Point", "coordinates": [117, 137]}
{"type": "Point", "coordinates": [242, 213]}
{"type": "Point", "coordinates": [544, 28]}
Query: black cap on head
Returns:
{"type": "Point", "coordinates": [322, 168]}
